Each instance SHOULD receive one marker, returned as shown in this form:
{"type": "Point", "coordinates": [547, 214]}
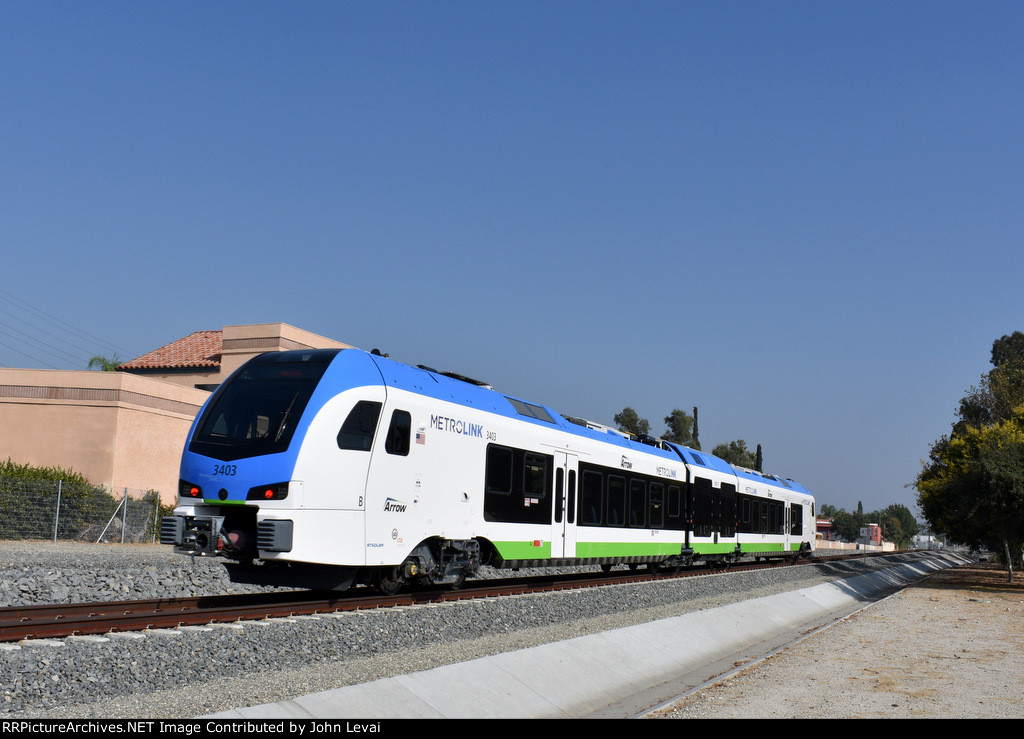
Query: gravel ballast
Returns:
{"type": "Point", "coordinates": [186, 673]}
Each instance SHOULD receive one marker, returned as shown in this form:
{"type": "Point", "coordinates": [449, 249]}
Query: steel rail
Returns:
{"type": "Point", "coordinates": [54, 621]}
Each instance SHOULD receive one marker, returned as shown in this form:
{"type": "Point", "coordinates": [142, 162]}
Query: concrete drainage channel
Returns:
{"type": "Point", "coordinates": [618, 673]}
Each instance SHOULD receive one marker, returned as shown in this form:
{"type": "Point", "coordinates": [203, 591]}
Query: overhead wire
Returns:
{"type": "Point", "coordinates": [70, 345]}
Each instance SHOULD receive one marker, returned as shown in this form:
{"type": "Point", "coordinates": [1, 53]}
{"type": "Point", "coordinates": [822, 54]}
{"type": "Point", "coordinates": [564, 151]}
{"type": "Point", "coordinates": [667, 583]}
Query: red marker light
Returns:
{"type": "Point", "coordinates": [277, 491]}
{"type": "Point", "coordinates": [189, 490]}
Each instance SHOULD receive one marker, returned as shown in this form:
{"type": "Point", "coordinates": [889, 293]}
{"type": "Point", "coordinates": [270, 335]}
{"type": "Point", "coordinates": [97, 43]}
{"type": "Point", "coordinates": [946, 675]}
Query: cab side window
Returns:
{"type": "Point", "coordinates": [358, 429]}
{"type": "Point", "coordinates": [397, 441]}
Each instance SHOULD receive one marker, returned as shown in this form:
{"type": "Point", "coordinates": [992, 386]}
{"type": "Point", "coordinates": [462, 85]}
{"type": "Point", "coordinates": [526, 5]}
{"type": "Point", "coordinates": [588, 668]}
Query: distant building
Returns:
{"type": "Point", "coordinates": [871, 535]}
{"type": "Point", "coordinates": [824, 528]}
{"type": "Point", "coordinates": [126, 429]}
{"type": "Point", "coordinates": [926, 541]}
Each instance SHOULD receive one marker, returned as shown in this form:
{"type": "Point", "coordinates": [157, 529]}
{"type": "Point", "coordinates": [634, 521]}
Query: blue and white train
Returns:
{"type": "Point", "coordinates": [328, 468]}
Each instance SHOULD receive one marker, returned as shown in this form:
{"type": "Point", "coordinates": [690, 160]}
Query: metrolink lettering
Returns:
{"type": "Point", "coordinates": [456, 426]}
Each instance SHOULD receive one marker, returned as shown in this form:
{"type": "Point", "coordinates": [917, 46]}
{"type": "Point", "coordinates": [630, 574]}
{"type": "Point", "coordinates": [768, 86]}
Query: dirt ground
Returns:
{"type": "Point", "coordinates": [951, 646]}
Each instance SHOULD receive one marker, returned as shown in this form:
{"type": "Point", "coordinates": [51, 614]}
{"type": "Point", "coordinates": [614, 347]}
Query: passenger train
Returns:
{"type": "Point", "coordinates": [330, 468]}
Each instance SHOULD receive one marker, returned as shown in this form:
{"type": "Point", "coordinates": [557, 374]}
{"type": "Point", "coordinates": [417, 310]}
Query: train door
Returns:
{"type": "Point", "coordinates": [335, 459]}
{"type": "Point", "coordinates": [726, 524]}
{"type": "Point", "coordinates": [563, 527]}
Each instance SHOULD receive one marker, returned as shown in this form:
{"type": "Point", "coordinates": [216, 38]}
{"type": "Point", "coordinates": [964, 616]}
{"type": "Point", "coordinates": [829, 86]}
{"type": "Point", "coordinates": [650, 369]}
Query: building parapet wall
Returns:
{"type": "Point", "coordinates": [241, 343]}
{"type": "Point", "coordinates": [118, 430]}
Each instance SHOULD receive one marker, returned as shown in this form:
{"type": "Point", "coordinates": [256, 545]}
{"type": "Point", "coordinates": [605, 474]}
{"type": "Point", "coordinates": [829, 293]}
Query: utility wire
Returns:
{"type": "Point", "coordinates": [70, 338]}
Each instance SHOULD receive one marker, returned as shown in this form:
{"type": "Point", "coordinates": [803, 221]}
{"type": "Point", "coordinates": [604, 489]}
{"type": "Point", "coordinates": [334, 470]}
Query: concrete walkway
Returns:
{"type": "Point", "coordinates": [618, 673]}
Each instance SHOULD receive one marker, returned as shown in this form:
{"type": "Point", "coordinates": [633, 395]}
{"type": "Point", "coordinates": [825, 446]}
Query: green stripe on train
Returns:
{"type": "Point", "coordinates": [746, 547]}
{"type": "Point", "coordinates": [523, 549]}
{"type": "Point", "coordinates": [586, 549]}
{"type": "Point", "coordinates": [626, 549]}
{"type": "Point", "coordinates": [542, 549]}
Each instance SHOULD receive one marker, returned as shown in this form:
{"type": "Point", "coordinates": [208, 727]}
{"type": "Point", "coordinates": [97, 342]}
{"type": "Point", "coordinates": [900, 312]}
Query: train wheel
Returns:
{"type": "Point", "coordinates": [389, 580]}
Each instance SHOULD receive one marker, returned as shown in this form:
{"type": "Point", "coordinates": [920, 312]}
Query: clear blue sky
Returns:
{"type": "Point", "coordinates": [804, 218]}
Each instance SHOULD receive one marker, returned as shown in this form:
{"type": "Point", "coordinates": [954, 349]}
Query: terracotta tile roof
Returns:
{"type": "Point", "coordinates": [199, 349]}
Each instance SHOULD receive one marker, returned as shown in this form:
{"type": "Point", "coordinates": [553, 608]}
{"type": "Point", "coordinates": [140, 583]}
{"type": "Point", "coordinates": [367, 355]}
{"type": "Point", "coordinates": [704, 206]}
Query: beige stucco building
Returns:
{"type": "Point", "coordinates": [126, 429]}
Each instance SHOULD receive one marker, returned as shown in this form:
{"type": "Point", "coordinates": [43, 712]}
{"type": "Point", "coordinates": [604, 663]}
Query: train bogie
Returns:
{"type": "Point", "coordinates": [329, 468]}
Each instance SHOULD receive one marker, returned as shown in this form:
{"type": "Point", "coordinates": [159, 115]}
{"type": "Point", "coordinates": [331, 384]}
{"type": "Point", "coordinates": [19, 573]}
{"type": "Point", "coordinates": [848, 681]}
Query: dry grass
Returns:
{"type": "Point", "coordinates": [982, 576]}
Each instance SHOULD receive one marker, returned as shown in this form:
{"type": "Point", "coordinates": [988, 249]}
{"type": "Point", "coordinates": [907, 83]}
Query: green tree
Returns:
{"type": "Point", "coordinates": [845, 525]}
{"type": "Point", "coordinates": [971, 488]}
{"type": "Point", "coordinates": [1008, 349]}
{"type": "Point", "coordinates": [680, 427]}
{"type": "Point", "coordinates": [898, 524]}
{"type": "Point", "coordinates": [628, 420]}
{"type": "Point", "coordinates": [736, 452]}
{"type": "Point", "coordinates": [104, 363]}
{"type": "Point", "coordinates": [1000, 391]}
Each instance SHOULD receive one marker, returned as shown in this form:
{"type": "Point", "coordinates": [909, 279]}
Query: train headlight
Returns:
{"type": "Point", "coordinates": [277, 491]}
{"type": "Point", "coordinates": [189, 490]}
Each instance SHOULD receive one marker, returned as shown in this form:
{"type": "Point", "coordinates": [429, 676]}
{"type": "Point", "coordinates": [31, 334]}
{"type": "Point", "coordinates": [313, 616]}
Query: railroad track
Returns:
{"type": "Point", "coordinates": [60, 620]}
{"type": "Point", "coordinates": [55, 621]}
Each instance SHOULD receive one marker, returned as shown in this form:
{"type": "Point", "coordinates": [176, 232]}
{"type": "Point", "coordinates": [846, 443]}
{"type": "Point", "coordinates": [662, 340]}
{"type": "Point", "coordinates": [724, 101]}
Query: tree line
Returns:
{"type": "Point", "coordinates": [971, 487]}
{"type": "Point", "coordinates": [897, 523]}
{"type": "Point", "coordinates": [681, 428]}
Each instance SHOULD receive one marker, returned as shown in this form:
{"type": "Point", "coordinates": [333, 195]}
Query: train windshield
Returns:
{"type": "Point", "coordinates": [256, 411]}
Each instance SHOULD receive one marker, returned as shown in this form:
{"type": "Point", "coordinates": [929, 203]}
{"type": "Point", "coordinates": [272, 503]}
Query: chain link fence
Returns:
{"type": "Point", "coordinates": [62, 510]}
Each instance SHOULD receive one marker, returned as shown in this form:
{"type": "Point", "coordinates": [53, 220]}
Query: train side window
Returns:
{"type": "Point", "coordinates": [616, 501]}
{"type": "Point", "coordinates": [657, 503]}
{"type": "Point", "coordinates": [397, 441]}
{"type": "Point", "coordinates": [358, 429]}
{"type": "Point", "coordinates": [674, 501]}
{"type": "Point", "coordinates": [637, 503]}
{"type": "Point", "coordinates": [517, 485]}
{"type": "Point", "coordinates": [796, 513]}
{"type": "Point", "coordinates": [590, 498]}
{"type": "Point", "coordinates": [746, 520]}
{"type": "Point", "coordinates": [535, 476]}
{"type": "Point", "coordinates": [499, 470]}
